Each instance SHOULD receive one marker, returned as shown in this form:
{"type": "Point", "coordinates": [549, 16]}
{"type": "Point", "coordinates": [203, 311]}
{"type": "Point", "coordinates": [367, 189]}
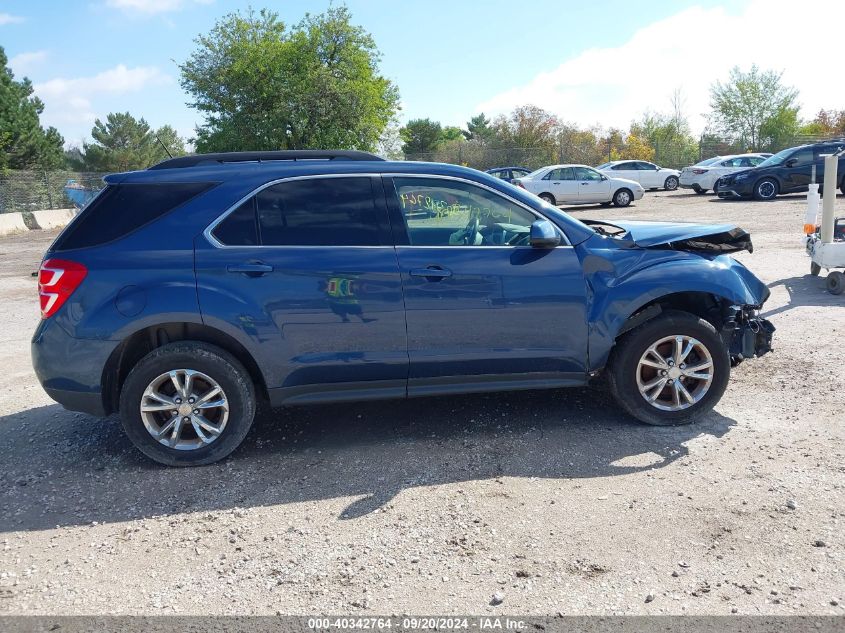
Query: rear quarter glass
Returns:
{"type": "Point", "coordinates": [121, 209]}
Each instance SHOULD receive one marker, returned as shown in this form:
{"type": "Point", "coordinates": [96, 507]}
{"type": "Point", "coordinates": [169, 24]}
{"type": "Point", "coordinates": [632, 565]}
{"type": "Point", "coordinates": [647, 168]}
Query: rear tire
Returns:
{"type": "Point", "coordinates": [549, 198]}
{"type": "Point", "coordinates": [766, 189]}
{"type": "Point", "coordinates": [230, 410]}
{"type": "Point", "coordinates": [835, 283]}
{"type": "Point", "coordinates": [699, 190]}
{"type": "Point", "coordinates": [629, 372]}
{"type": "Point", "coordinates": [623, 197]}
{"type": "Point", "coordinates": [671, 183]}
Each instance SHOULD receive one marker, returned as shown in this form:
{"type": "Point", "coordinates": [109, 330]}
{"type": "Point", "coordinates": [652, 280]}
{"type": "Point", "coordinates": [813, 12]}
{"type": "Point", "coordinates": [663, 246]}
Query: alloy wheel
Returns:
{"type": "Point", "coordinates": [184, 409]}
{"type": "Point", "coordinates": [675, 373]}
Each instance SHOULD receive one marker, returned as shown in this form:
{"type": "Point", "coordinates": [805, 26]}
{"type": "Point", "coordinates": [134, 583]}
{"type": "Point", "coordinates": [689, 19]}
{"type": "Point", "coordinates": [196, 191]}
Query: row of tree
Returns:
{"type": "Point", "coordinates": [261, 84]}
{"type": "Point", "coordinates": [752, 111]}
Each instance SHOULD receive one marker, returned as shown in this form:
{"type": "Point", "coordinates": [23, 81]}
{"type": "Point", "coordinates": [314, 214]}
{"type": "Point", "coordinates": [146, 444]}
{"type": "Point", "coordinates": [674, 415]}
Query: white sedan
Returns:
{"type": "Point", "coordinates": [649, 175]}
{"type": "Point", "coordinates": [703, 176]}
{"type": "Point", "coordinates": [579, 184]}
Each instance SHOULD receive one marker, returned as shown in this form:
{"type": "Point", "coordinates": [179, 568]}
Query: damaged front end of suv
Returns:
{"type": "Point", "coordinates": [639, 270]}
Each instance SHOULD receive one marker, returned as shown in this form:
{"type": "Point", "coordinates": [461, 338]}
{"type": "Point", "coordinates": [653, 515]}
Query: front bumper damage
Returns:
{"type": "Point", "coordinates": [746, 333]}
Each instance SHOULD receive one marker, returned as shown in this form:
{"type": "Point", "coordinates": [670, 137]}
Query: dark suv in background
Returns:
{"type": "Point", "coordinates": [788, 171]}
{"type": "Point", "coordinates": [186, 293]}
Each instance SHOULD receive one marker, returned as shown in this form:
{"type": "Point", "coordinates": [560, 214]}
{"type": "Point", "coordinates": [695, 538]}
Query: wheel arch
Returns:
{"type": "Point", "coordinates": [138, 344]}
{"type": "Point", "coordinates": [620, 313]}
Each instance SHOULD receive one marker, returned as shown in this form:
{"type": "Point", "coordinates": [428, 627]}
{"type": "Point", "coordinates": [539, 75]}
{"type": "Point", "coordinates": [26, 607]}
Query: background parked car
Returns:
{"type": "Point", "coordinates": [788, 171]}
{"type": "Point", "coordinates": [702, 176]}
{"type": "Point", "coordinates": [580, 184]}
{"type": "Point", "coordinates": [649, 175]}
{"type": "Point", "coordinates": [509, 173]}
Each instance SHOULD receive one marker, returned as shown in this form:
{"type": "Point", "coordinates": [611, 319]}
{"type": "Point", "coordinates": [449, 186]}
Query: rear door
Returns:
{"type": "Point", "coordinates": [482, 306]}
{"type": "Point", "coordinates": [305, 271]}
{"type": "Point", "coordinates": [563, 185]}
{"type": "Point", "coordinates": [626, 170]}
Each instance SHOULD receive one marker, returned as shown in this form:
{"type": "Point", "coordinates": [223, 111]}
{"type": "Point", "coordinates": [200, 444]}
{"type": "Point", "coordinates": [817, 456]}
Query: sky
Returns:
{"type": "Point", "coordinates": [604, 62]}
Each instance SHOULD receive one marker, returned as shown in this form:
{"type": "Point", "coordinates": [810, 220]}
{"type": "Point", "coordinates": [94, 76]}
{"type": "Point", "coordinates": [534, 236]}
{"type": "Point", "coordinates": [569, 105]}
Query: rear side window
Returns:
{"type": "Point", "coordinates": [240, 226]}
{"type": "Point", "coordinates": [308, 212]}
{"type": "Point", "coordinates": [121, 209]}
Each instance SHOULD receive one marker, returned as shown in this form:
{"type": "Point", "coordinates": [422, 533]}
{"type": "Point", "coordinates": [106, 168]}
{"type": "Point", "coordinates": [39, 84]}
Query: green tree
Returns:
{"type": "Point", "coordinates": [261, 86]}
{"type": "Point", "coordinates": [24, 144]}
{"type": "Point", "coordinates": [421, 136]}
{"type": "Point", "coordinates": [826, 123]}
{"type": "Point", "coordinates": [124, 143]}
{"type": "Point", "coordinates": [479, 129]}
{"type": "Point", "coordinates": [755, 107]}
{"type": "Point", "coordinates": [451, 133]}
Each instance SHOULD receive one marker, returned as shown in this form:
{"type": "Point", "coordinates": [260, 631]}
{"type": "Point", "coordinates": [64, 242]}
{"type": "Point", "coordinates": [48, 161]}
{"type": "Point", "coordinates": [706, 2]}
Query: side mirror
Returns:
{"type": "Point", "coordinates": [544, 234]}
{"type": "Point", "coordinates": [791, 162]}
{"type": "Point", "coordinates": [603, 177]}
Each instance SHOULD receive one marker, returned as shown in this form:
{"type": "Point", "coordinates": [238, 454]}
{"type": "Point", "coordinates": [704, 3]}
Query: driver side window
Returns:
{"type": "Point", "coordinates": [453, 213]}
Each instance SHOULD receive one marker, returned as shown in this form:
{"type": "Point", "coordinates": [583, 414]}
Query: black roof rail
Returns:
{"type": "Point", "coordinates": [260, 157]}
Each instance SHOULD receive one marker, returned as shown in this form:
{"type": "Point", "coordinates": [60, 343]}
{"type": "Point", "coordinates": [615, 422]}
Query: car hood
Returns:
{"type": "Point", "coordinates": [683, 236]}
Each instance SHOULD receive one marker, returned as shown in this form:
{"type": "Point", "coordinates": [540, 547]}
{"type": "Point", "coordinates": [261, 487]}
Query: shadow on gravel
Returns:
{"type": "Point", "coordinates": [804, 290]}
{"type": "Point", "coordinates": [64, 469]}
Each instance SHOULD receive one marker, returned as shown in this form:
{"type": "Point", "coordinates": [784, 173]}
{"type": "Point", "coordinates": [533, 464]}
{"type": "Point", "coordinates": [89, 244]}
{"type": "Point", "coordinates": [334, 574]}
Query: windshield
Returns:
{"type": "Point", "coordinates": [709, 161]}
{"type": "Point", "coordinates": [777, 159]}
{"type": "Point", "coordinates": [604, 165]}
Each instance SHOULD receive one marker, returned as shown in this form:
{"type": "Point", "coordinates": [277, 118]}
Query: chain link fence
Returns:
{"type": "Point", "coordinates": [710, 146]}
{"type": "Point", "coordinates": [37, 190]}
{"type": "Point", "coordinates": [583, 153]}
{"type": "Point", "coordinates": [588, 152]}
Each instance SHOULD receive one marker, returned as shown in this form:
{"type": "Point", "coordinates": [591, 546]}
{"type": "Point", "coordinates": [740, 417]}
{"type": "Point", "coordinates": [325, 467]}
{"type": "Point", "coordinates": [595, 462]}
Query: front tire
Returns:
{"type": "Point", "coordinates": [835, 283]}
{"type": "Point", "coordinates": [187, 404]}
{"type": "Point", "coordinates": [549, 198]}
{"type": "Point", "coordinates": [699, 190]}
{"type": "Point", "coordinates": [623, 197]}
{"type": "Point", "coordinates": [671, 183]}
{"type": "Point", "coordinates": [766, 189]}
{"type": "Point", "coordinates": [670, 370]}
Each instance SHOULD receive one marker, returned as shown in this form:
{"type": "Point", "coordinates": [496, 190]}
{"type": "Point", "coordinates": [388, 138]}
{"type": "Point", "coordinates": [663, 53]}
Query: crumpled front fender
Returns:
{"type": "Point", "coordinates": [623, 281]}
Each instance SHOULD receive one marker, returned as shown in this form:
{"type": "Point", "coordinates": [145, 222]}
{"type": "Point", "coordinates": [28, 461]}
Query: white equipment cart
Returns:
{"type": "Point", "coordinates": [826, 247]}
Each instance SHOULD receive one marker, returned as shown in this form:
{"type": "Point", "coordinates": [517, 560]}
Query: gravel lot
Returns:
{"type": "Point", "coordinates": [552, 500]}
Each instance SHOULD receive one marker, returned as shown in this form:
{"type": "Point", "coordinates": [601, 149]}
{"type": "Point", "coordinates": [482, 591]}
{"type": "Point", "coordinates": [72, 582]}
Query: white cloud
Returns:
{"type": "Point", "coordinates": [152, 7]}
{"type": "Point", "coordinates": [6, 18]}
{"type": "Point", "coordinates": [689, 50]}
{"type": "Point", "coordinates": [70, 100]}
{"type": "Point", "coordinates": [25, 62]}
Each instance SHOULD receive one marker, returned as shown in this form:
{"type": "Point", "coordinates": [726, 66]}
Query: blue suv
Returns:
{"type": "Point", "coordinates": [185, 294]}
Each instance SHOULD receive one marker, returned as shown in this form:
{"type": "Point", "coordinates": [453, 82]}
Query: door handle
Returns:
{"type": "Point", "coordinates": [252, 269]}
{"type": "Point", "coordinates": [432, 273]}
{"type": "Point", "coordinates": [585, 183]}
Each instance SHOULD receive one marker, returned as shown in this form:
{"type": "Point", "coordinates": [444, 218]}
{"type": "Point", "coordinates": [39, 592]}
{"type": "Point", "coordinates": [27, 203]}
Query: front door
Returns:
{"type": "Point", "coordinates": [482, 306]}
{"type": "Point", "coordinates": [592, 186]}
{"type": "Point", "coordinates": [648, 175]}
{"type": "Point", "coordinates": [305, 274]}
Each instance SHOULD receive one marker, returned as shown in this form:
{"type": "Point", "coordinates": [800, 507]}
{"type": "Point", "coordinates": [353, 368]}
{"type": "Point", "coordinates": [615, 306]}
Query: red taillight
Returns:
{"type": "Point", "coordinates": [57, 279]}
{"type": "Point", "coordinates": [519, 184]}
{"type": "Point", "coordinates": [699, 171]}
